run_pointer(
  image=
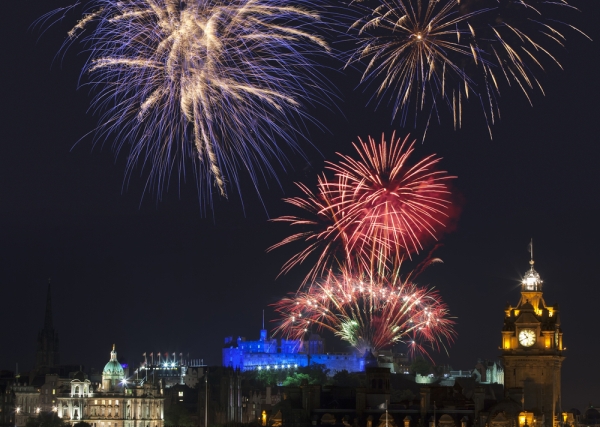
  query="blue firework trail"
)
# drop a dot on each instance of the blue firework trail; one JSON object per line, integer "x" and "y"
{"x": 218, "y": 83}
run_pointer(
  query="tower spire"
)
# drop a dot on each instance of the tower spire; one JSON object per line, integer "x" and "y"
{"x": 531, "y": 252}
{"x": 47, "y": 347}
{"x": 48, "y": 324}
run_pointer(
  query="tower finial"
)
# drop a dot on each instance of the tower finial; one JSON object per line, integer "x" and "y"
{"x": 263, "y": 318}
{"x": 531, "y": 251}
{"x": 113, "y": 347}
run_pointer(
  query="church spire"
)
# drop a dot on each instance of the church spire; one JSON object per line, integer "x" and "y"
{"x": 48, "y": 324}
{"x": 47, "y": 356}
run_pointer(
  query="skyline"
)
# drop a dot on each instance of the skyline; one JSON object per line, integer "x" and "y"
{"x": 146, "y": 274}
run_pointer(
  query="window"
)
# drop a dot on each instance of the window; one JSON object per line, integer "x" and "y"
{"x": 95, "y": 402}
{"x": 116, "y": 402}
{"x": 180, "y": 393}
{"x": 103, "y": 402}
{"x": 53, "y": 391}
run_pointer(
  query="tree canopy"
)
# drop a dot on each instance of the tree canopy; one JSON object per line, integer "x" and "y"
{"x": 47, "y": 419}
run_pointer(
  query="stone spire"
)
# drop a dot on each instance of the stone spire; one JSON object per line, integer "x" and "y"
{"x": 47, "y": 345}
{"x": 48, "y": 325}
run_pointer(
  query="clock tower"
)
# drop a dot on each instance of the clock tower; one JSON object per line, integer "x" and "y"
{"x": 532, "y": 347}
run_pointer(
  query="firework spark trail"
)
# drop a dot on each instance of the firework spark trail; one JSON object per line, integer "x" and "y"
{"x": 424, "y": 54}
{"x": 373, "y": 213}
{"x": 393, "y": 205}
{"x": 369, "y": 314}
{"x": 219, "y": 82}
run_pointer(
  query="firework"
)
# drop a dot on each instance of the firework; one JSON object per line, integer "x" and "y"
{"x": 217, "y": 82}
{"x": 374, "y": 212}
{"x": 429, "y": 54}
{"x": 369, "y": 314}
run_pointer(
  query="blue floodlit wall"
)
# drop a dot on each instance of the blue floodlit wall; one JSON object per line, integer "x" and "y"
{"x": 286, "y": 354}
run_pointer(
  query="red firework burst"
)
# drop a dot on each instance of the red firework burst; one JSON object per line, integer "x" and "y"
{"x": 374, "y": 211}
{"x": 369, "y": 314}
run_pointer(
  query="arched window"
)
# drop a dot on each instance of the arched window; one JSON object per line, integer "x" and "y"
{"x": 76, "y": 389}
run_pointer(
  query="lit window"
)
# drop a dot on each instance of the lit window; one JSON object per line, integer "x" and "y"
{"x": 53, "y": 391}
{"x": 103, "y": 402}
{"x": 116, "y": 402}
{"x": 95, "y": 402}
{"x": 180, "y": 393}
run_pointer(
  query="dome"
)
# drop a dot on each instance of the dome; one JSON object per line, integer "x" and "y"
{"x": 532, "y": 280}
{"x": 592, "y": 414}
{"x": 79, "y": 376}
{"x": 113, "y": 368}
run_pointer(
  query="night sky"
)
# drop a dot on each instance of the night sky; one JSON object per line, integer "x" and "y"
{"x": 154, "y": 275}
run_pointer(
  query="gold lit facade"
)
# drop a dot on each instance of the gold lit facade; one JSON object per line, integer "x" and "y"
{"x": 532, "y": 353}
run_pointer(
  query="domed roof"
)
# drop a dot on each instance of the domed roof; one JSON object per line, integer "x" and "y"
{"x": 79, "y": 376}
{"x": 532, "y": 280}
{"x": 591, "y": 414}
{"x": 113, "y": 367}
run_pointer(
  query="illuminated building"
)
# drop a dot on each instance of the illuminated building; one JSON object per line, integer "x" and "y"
{"x": 116, "y": 402}
{"x": 532, "y": 354}
{"x": 282, "y": 354}
{"x": 172, "y": 371}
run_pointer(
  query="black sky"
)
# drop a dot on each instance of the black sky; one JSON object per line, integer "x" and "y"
{"x": 157, "y": 276}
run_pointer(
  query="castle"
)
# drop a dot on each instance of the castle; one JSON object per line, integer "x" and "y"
{"x": 270, "y": 353}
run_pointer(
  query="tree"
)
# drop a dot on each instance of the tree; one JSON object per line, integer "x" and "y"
{"x": 296, "y": 379}
{"x": 177, "y": 415}
{"x": 420, "y": 366}
{"x": 345, "y": 379}
{"x": 312, "y": 374}
{"x": 46, "y": 419}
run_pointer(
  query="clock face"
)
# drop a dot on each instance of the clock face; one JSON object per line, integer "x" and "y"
{"x": 527, "y": 337}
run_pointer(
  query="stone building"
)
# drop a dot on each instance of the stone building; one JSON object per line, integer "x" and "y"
{"x": 532, "y": 354}
{"x": 47, "y": 354}
{"x": 270, "y": 353}
{"x": 116, "y": 402}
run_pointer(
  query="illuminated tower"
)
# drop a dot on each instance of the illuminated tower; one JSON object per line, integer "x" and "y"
{"x": 532, "y": 346}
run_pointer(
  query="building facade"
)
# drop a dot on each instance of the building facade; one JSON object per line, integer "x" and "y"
{"x": 266, "y": 353}
{"x": 532, "y": 353}
{"x": 116, "y": 402}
